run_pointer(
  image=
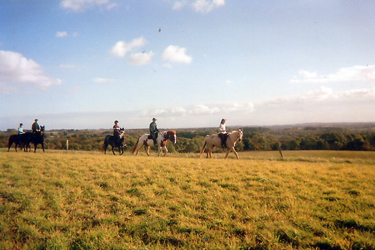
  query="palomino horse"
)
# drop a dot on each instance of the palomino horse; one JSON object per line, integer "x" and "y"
{"x": 214, "y": 140}
{"x": 161, "y": 141}
{"x": 111, "y": 140}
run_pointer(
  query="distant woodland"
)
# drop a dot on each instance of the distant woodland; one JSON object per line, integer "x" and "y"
{"x": 349, "y": 136}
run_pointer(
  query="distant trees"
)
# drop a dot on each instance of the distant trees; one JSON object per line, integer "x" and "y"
{"x": 191, "y": 141}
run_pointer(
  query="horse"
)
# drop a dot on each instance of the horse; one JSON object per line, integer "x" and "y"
{"x": 161, "y": 142}
{"x": 111, "y": 140}
{"x": 14, "y": 139}
{"x": 214, "y": 140}
{"x": 38, "y": 138}
{"x": 25, "y": 139}
{"x": 21, "y": 140}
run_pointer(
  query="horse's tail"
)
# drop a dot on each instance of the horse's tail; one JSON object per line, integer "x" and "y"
{"x": 105, "y": 145}
{"x": 10, "y": 142}
{"x": 135, "y": 146}
{"x": 204, "y": 146}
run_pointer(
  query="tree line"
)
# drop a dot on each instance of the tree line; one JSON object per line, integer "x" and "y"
{"x": 344, "y": 137}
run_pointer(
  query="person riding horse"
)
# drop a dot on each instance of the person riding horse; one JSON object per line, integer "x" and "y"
{"x": 20, "y": 129}
{"x": 35, "y": 127}
{"x": 154, "y": 130}
{"x": 116, "y": 132}
{"x": 223, "y": 133}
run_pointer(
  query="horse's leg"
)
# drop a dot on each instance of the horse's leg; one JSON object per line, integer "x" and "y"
{"x": 228, "y": 150}
{"x": 202, "y": 150}
{"x": 136, "y": 151}
{"x": 43, "y": 146}
{"x": 113, "y": 151}
{"x": 235, "y": 152}
{"x": 166, "y": 151}
{"x": 148, "y": 150}
{"x": 159, "y": 150}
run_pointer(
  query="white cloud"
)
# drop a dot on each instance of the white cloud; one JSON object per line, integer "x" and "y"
{"x": 179, "y": 5}
{"x": 176, "y": 54}
{"x": 103, "y": 80}
{"x": 201, "y": 6}
{"x": 82, "y": 5}
{"x": 205, "y": 6}
{"x": 321, "y": 105}
{"x": 355, "y": 73}
{"x": 121, "y": 48}
{"x": 16, "y": 70}
{"x": 343, "y": 106}
{"x": 61, "y": 34}
{"x": 201, "y": 109}
{"x": 140, "y": 59}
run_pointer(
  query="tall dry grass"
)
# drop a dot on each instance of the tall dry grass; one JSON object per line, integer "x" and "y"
{"x": 59, "y": 200}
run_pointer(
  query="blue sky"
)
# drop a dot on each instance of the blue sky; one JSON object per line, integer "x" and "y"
{"x": 82, "y": 64}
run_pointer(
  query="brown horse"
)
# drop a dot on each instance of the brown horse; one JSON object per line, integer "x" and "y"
{"x": 161, "y": 141}
{"x": 214, "y": 140}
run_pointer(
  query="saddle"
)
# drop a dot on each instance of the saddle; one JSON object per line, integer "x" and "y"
{"x": 150, "y": 137}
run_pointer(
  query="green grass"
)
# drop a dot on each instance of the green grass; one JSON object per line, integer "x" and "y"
{"x": 87, "y": 200}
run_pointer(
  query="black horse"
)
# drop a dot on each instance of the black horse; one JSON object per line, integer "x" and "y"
{"x": 38, "y": 138}
{"x": 115, "y": 143}
{"x": 14, "y": 139}
{"x": 22, "y": 141}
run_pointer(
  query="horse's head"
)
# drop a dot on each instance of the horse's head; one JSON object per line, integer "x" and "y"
{"x": 122, "y": 133}
{"x": 42, "y": 128}
{"x": 171, "y": 135}
{"x": 240, "y": 134}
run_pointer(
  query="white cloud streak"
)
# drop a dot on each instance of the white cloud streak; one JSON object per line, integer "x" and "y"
{"x": 61, "y": 34}
{"x": 355, "y": 73}
{"x": 82, "y": 5}
{"x": 103, "y": 80}
{"x": 200, "y": 6}
{"x": 17, "y": 71}
{"x": 140, "y": 59}
{"x": 176, "y": 54}
{"x": 321, "y": 105}
{"x": 121, "y": 48}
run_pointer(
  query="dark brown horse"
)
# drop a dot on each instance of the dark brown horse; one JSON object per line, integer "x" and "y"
{"x": 111, "y": 140}
{"x": 38, "y": 138}
{"x": 22, "y": 141}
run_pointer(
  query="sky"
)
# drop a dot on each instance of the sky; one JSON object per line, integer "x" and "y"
{"x": 81, "y": 64}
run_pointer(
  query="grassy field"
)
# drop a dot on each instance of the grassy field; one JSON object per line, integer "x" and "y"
{"x": 88, "y": 200}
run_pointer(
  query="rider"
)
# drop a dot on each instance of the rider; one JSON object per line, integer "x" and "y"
{"x": 35, "y": 127}
{"x": 20, "y": 129}
{"x": 154, "y": 130}
{"x": 223, "y": 133}
{"x": 116, "y": 132}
